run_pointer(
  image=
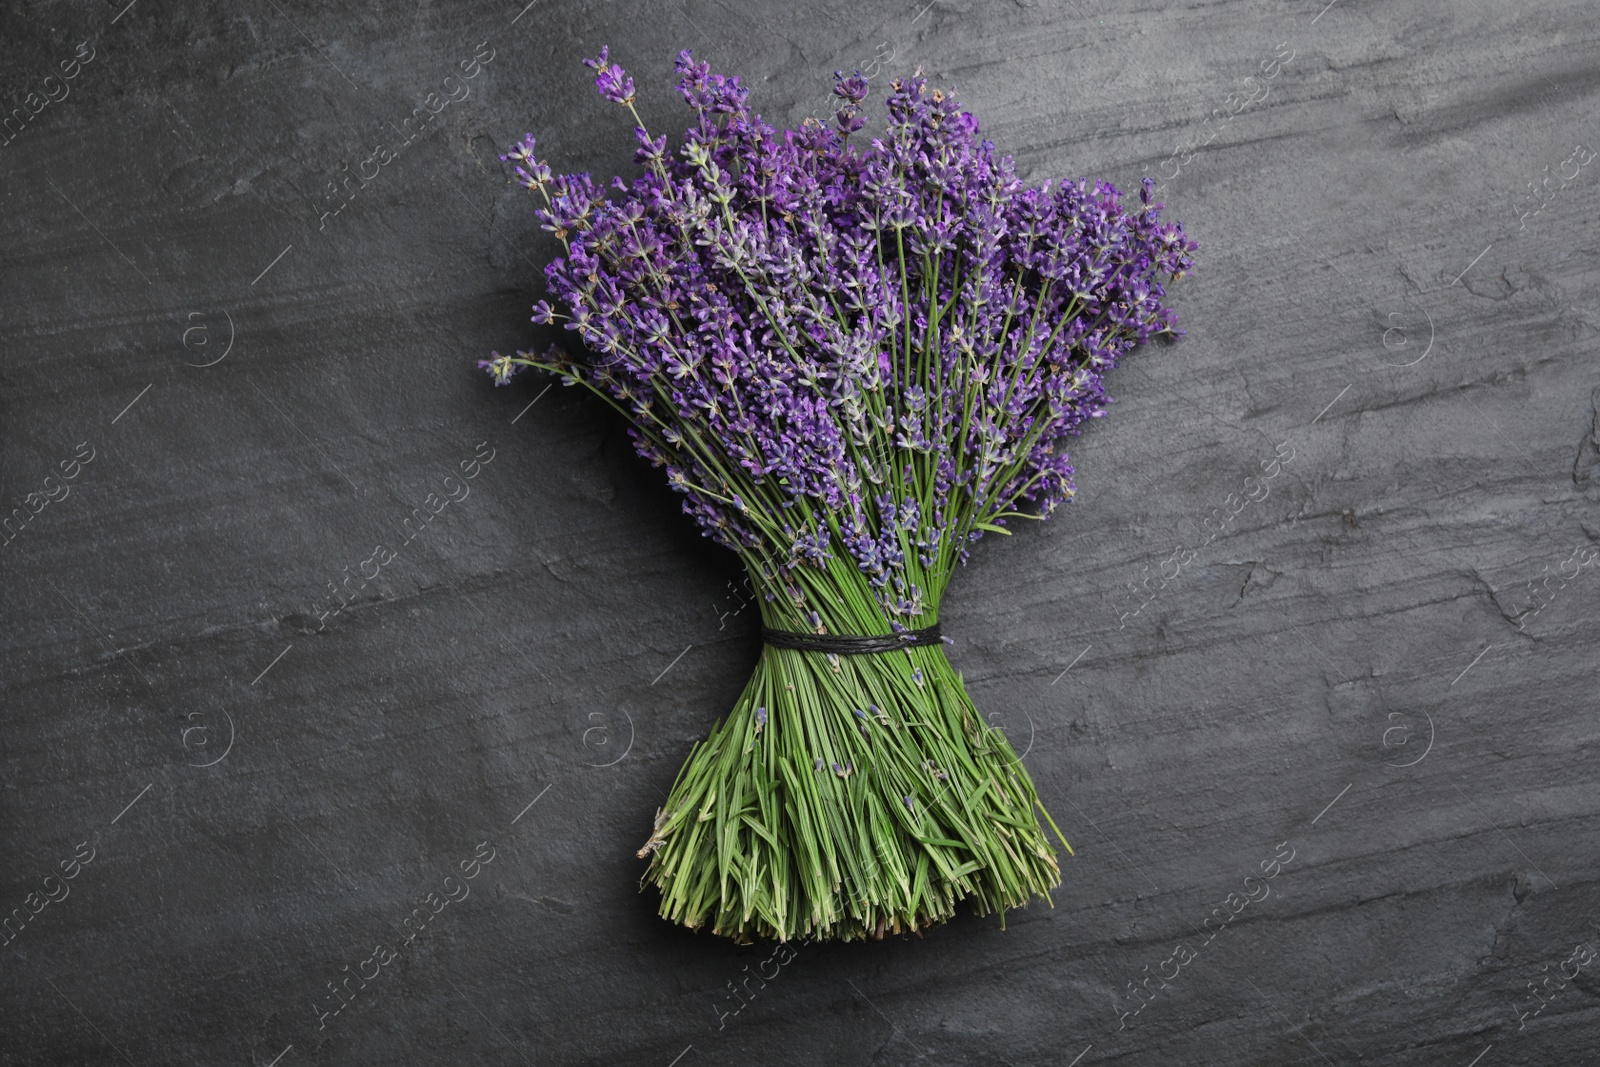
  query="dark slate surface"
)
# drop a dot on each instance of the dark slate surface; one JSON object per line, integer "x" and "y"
{"x": 1383, "y": 670}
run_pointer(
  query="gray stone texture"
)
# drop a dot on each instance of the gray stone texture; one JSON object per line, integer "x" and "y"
{"x": 1379, "y": 662}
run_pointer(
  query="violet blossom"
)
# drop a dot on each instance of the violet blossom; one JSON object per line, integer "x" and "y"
{"x": 868, "y": 352}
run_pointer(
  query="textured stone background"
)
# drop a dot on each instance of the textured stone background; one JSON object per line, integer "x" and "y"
{"x": 1385, "y": 669}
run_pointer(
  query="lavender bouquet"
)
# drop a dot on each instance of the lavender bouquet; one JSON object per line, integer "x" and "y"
{"x": 853, "y": 362}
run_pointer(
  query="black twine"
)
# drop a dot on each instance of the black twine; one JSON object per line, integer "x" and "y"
{"x": 851, "y": 644}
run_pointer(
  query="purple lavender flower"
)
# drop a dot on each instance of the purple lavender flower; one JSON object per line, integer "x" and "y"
{"x": 867, "y": 355}
{"x": 612, "y": 81}
{"x": 502, "y": 368}
{"x": 532, "y": 173}
{"x": 853, "y": 91}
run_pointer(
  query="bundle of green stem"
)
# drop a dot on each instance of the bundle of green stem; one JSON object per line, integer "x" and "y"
{"x": 853, "y": 364}
{"x": 848, "y": 796}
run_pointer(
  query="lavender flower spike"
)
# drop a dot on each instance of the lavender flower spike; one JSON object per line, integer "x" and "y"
{"x": 502, "y": 368}
{"x": 612, "y": 81}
